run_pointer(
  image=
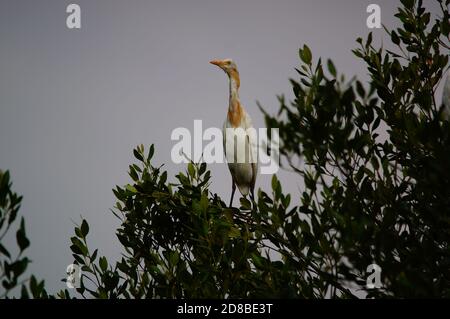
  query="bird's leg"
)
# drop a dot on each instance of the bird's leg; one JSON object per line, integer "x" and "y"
{"x": 233, "y": 189}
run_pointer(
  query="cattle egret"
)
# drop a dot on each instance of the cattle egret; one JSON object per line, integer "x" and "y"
{"x": 241, "y": 143}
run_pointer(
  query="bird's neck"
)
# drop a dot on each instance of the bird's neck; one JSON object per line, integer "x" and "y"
{"x": 234, "y": 108}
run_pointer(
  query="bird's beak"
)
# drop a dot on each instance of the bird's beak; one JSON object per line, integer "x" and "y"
{"x": 216, "y": 62}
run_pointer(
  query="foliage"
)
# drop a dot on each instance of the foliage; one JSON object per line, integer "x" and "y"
{"x": 13, "y": 267}
{"x": 376, "y": 162}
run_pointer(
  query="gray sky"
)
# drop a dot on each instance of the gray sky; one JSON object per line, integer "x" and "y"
{"x": 74, "y": 103}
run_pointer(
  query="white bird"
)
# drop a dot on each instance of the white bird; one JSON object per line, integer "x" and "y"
{"x": 240, "y": 147}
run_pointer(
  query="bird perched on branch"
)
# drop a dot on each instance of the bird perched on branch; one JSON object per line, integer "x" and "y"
{"x": 446, "y": 96}
{"x": 239, "y": 136}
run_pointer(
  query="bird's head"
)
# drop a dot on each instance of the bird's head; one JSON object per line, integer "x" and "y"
{"x": 229, "y": 67}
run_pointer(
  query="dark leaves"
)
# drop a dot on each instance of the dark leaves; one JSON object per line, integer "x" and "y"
{"x": 84, "y": 228}
{"x": 305, "y": 54}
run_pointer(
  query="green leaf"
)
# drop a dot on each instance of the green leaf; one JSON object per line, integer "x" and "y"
{"x": 76, "y": 250}
{"x": 82, "y": 249}
{"x": 245, "y": 203}
{"x": 34, "y": 286}
{"x": 24, "y": 293}
{"x": 204, "y": 202}
{"x": 163, "y": 177}
{"x": 131, "y": 188}
{"x": 408, "y": 3}
{"x": 138, "y": 155}
{"x": 78, "y": 232}
{"x": 202, "y": 169}
{"x": 151, "y": 151}
{"x": 234, "y": 232}
{"x": 134, "y": 176}
{"x": 94, "y": 255}
{"x": 369, "y": 40}
{"x": 376, "y": 123}
{"x": 4, "y": 251}
{"x": 360, "y": 89}
{"x": 174, "y": 258}
{"x": 394, "y": 38}
{"x": 257, "y": 261}
{"x": 274, "y": 182}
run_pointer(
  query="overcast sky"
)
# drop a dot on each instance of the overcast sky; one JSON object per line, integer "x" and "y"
{"x": 74, "y": 103}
